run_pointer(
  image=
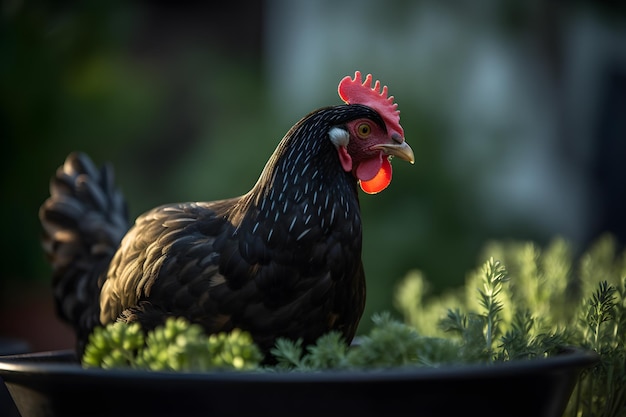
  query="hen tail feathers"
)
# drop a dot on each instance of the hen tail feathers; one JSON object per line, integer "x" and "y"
{"x": 83, "y": 220}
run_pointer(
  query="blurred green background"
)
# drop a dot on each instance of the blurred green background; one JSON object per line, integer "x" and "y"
{"x": 515, "y": 110}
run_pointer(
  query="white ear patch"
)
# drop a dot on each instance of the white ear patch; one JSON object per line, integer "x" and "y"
{"x": 339, "y": 137}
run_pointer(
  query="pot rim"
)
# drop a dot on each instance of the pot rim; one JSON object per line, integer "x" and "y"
{"x": 63, "y": 363}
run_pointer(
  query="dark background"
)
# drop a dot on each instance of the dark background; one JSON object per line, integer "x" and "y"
{"x": 515, "y": 110}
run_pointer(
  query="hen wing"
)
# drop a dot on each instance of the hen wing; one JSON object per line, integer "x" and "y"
{"x": 167, "y": 263}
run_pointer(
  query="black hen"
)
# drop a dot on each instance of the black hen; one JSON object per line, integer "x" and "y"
{"x": 283, "y": 260}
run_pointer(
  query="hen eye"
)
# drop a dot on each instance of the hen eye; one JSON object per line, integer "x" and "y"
{"x": 363, "y": 130}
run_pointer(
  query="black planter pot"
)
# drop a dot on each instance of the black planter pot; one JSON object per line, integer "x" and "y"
{"x": 10, "y": 346}
{"x": 54, "y": 384}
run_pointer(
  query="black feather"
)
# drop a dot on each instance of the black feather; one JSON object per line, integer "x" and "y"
{"x": 283, "y": 260}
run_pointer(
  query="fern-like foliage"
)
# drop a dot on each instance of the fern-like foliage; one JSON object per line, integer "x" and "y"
{"x": 526, "y": 302}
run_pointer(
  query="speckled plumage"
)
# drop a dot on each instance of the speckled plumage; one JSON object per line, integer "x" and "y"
{"x": 283, "y": 260}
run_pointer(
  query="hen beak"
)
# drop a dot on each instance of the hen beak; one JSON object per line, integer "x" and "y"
{"x": 401, "y": 149}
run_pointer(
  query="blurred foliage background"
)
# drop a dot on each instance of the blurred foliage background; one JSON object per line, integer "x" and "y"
{"x": 515, "y": 110}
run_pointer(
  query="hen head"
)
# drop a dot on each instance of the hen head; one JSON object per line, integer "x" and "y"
{"x": 365, "y": 147}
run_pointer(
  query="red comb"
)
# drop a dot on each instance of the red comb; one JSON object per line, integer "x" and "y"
{"x": 354, "y": 92}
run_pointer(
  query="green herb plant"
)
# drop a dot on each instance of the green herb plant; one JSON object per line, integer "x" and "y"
{"x": 390, "y": 343}
{"x": 524, "y": 302}
{"x": 176, "y": 346}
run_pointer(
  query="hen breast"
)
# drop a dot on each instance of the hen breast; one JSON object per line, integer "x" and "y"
{"x": 225, "y": 267}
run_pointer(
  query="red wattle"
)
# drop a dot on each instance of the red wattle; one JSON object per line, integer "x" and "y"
{"x": 369, "y": 168}
{"x": 380, "y": 181}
